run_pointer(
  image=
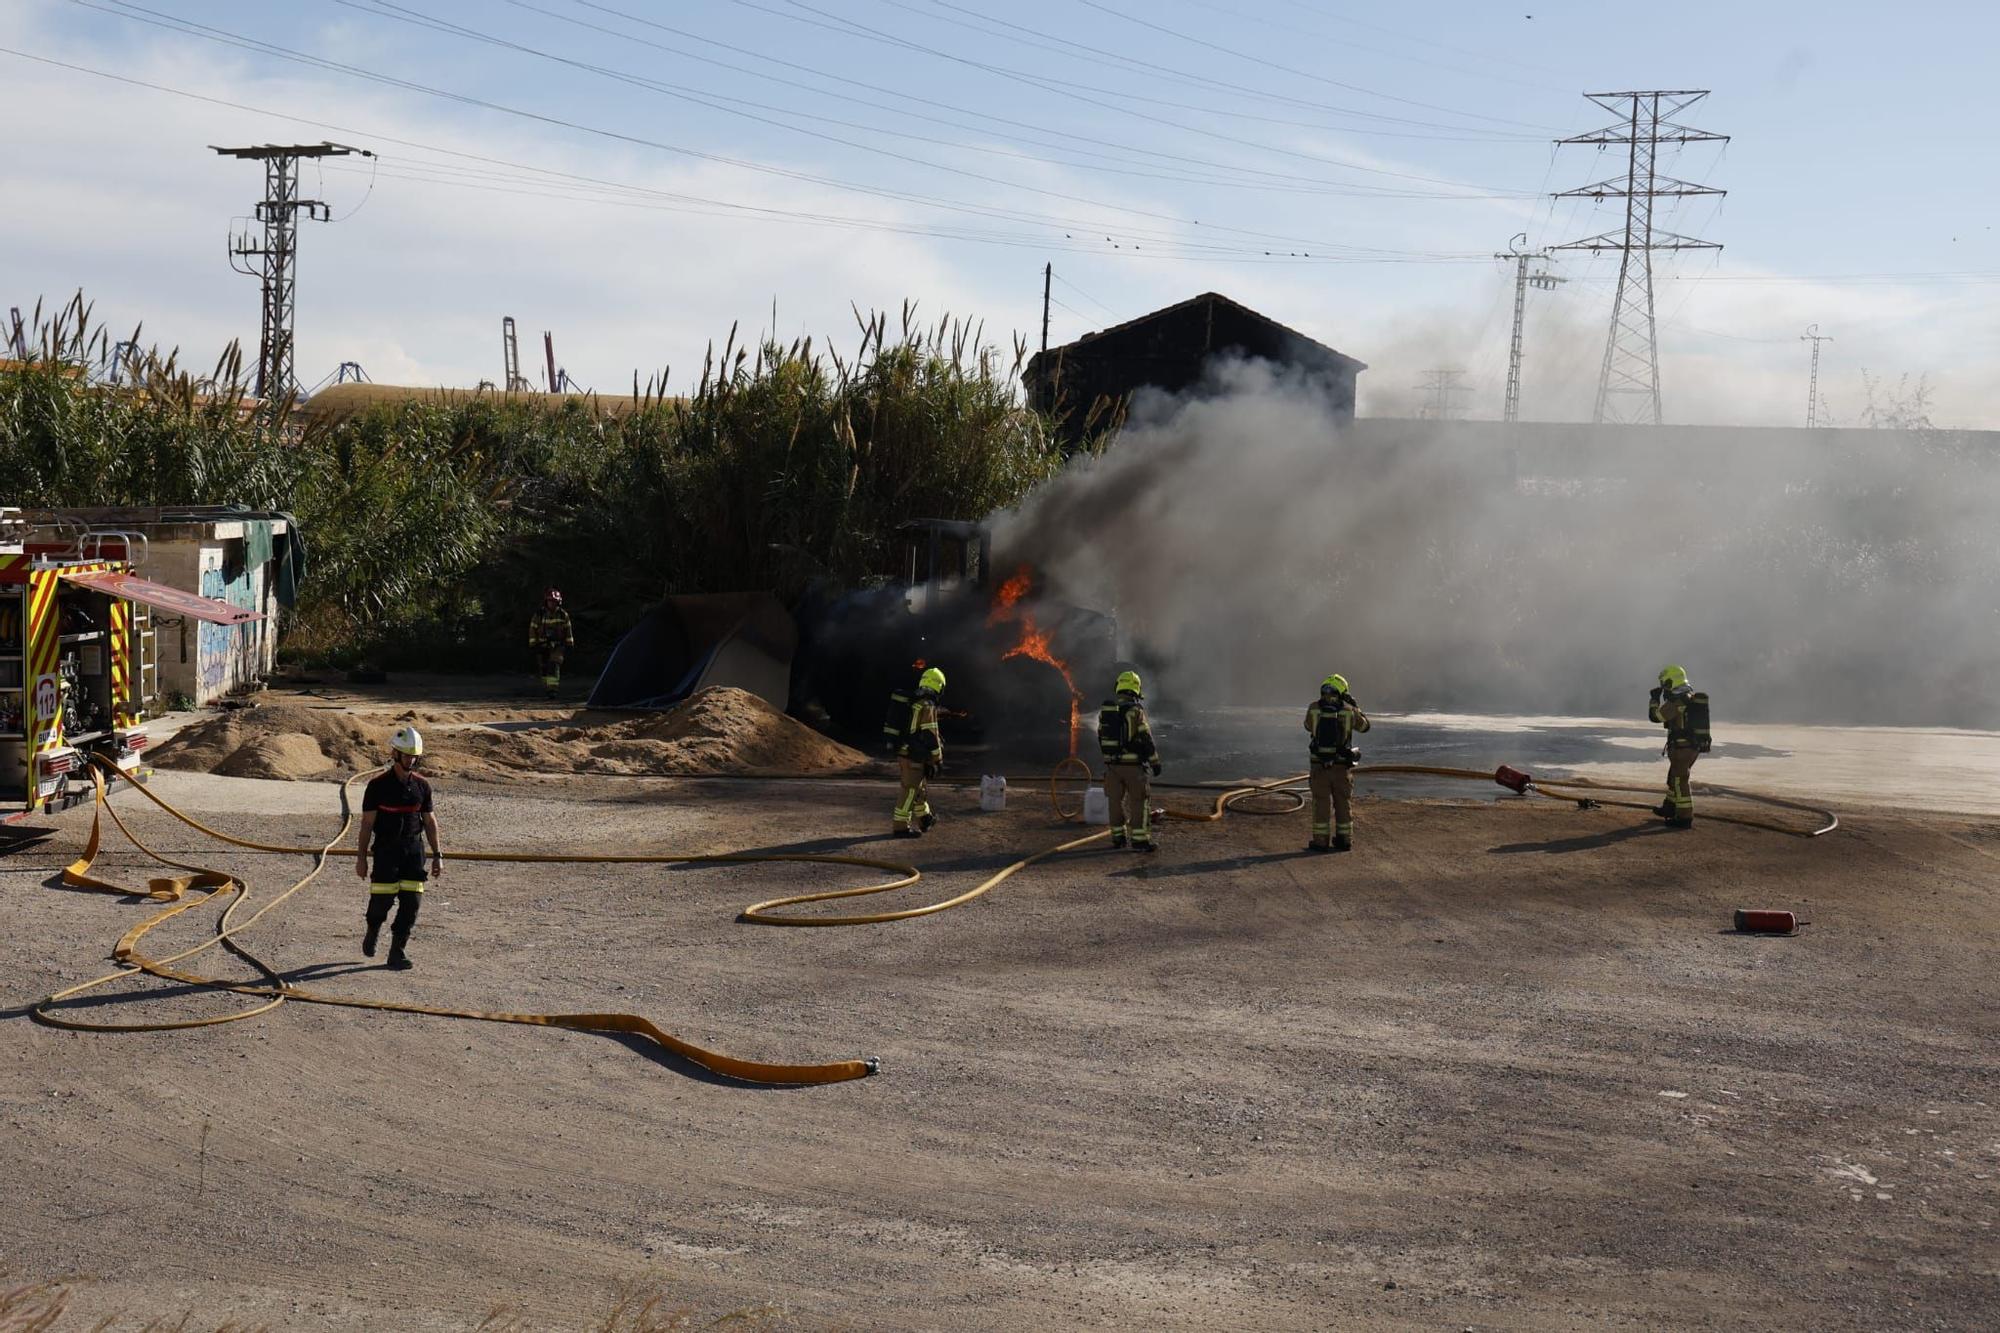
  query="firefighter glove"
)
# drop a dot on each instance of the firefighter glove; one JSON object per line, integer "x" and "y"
{"x": 1154, "y": 768}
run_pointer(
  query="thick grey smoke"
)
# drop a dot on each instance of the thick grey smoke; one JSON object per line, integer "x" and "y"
{"x": 1249, "y": 546}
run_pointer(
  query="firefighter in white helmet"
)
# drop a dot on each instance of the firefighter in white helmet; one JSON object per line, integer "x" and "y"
{"x": 396, "y": 815}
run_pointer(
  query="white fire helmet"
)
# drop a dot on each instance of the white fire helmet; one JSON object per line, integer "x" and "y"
{"x": 407, "y": 740}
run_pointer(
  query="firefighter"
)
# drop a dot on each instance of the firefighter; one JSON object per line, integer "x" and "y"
{"x": 1683, "y": 711}
{"x": 919, "y": 756}
{"x": 1126, "y": 740}
{"x": 549, "y": 637}
{"x": 396, "y": 814}
{"x": 1331, "y": 722}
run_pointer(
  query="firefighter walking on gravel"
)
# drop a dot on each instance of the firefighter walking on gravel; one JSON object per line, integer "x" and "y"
{"x": 1683, "y": 711}
{"x": 396, "y": 818}
{"x": 1126, "y": 740}
{"x": 1331, "y": 722}
{"x": 549, "y": 637}
{"x": 913, "y": 726}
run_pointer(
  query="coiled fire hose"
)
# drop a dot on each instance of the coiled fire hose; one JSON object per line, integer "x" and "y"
{"x": 276, "y": 990}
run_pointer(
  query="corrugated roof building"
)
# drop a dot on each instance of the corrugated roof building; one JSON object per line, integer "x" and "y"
{"x": 1171, "y": 350}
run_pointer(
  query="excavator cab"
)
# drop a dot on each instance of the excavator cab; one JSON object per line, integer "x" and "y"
{"x": 941, "y": 556}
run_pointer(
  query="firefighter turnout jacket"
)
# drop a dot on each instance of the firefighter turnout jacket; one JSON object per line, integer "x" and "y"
{"x": 1332, "y": 724}
{"x": 1123, "y": 734}
{"x": 550, "y": 628}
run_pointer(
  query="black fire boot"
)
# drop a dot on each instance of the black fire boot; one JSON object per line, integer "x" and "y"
{"x": 398, "y": 960}
{"x": 368, "y": 938}
{"x": 1148, "y": 846}
{"x": 926, "y": 822}
{"x": 1665, "y": 809}
{"x": 1118, "y": 840}
{"x": 1343, "y": 844}
{"x": 1318, "y": 847}
{"x": 906, "y": 833}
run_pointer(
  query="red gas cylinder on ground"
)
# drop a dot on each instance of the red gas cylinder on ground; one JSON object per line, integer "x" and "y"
{"x": 1752, "y": 921}
{"x": 1512, "y": 778}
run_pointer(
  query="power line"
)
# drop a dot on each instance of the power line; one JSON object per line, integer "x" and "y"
{"x": 1304, "y": 74}
{"x": 591, "y": 189}
{"x": 1287, "y": 182}
{"x": 1087, "y": 296}
{"x": 1043, "y": 41}
{"x": 1213, "y": 7}
{"x": 126, "y": 9}
{"x": 1631, "y": 367}
{"x": 848, "y": 27}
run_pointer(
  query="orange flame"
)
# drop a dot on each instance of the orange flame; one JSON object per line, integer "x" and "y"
{"x": 1034, "y": 642}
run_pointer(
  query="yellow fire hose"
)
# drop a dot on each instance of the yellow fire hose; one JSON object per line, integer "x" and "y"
{"x": 276, "y": 990}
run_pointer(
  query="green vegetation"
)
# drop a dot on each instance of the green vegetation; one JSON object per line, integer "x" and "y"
{"x": 432, "y": 527}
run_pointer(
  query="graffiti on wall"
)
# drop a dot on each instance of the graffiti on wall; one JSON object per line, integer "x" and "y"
{"x": 214, "y": 642}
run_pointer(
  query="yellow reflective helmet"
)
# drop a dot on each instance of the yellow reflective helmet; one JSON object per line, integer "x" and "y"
{"x": 1673, "y": 677}
{"x": 1336, "y": 682}
{"x": 932, "y": 680}
{"x": 1128, "y": 683}
{"x": 407, "y": 740}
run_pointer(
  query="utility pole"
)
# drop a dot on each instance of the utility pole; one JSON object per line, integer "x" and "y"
{"x": 1442, "y": 388}
{"x": 279, "y": 212}
{"x": 1543, "y": 281}
{"x": 1631, "y": 368}
{"x": 1048, "y": 272}
{"x": 1815, "y": 337}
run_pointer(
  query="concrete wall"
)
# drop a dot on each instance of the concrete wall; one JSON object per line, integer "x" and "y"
{"x": 206, "y": 661}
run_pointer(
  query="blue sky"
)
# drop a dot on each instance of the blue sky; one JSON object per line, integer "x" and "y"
{"x": 727, "y": 155}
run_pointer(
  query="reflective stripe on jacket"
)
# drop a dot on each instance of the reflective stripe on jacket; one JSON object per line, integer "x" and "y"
{"x": 925, "y": 741}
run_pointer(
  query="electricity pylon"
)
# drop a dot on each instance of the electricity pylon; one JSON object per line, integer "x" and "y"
{"x": 1542, "y": 281}
{"x": 1632, "y": 350}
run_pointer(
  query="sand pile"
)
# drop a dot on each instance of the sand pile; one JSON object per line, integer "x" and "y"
{"x": 720, "y": 730}
{"x": 277, "y": 741}
{"x": 717, "y": 731}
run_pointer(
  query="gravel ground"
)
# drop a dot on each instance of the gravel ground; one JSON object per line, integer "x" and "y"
{"x": 1504, "y": 1066}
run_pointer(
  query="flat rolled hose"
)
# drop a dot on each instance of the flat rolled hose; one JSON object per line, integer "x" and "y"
{"x": 275, "y": 990}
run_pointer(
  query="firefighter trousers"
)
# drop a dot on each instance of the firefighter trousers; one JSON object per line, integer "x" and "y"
{"x": 1680, "y": 796}
{"x": 1333, "y": 803}
{"x": 407, "y": 902}
{"x": 1127, "y": 791}
{"x": 548, "y": 664}
{"x": 912, "y": 807}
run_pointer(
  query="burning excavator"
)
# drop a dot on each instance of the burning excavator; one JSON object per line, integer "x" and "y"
{"x": 1019, "y": 660}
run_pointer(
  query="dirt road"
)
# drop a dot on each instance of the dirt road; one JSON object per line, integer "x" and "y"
{"x": 1501, "y": 1067}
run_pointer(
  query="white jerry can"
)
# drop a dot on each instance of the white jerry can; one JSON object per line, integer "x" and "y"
{"x": 1096, "y": 810}
{"x": 992, "y": 792}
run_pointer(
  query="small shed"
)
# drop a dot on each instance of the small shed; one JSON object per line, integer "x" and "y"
{"x": 1170, "y": 350}
{"x": 250, "y": 559}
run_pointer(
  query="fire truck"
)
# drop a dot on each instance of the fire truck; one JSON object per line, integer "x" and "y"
{"x": 75, "y": 629}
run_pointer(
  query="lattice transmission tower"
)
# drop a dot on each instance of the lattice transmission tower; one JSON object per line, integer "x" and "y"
{"x": 1628, "y": 386}
{"x": 275, "y": 260}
